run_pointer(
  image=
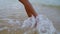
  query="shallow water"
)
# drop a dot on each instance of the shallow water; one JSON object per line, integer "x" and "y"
{"x": 13, "y": 10}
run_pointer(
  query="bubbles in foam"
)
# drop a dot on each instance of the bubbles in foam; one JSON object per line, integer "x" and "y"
{"x": 44, "y": 25}
{"x": 12, "y": 21}
{"x": 30, "y": 22}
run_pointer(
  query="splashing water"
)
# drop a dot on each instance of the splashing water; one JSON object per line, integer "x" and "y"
{"x": 44, "y": 26}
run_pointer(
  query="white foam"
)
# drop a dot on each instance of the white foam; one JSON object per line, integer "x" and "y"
{"x": 30, "y": 22}
{"x": 44, "y": 25}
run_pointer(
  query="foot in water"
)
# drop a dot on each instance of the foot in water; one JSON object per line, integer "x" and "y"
{"x": 42, "y": 24}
